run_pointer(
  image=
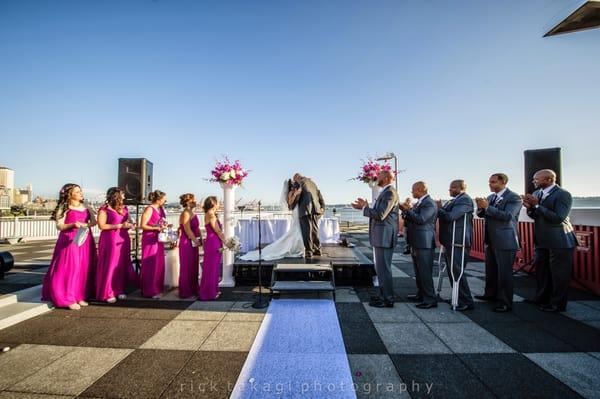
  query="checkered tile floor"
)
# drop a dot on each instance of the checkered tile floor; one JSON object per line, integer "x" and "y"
{"x": 171, "y": 348}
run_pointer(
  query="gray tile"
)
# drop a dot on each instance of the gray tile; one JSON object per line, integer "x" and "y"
{"x": 592, "y": 304}
{"x": 74, "y": 372}
{"x": 442, "y": 314}
{"x": 582, "y": 312}
{"x": 400, "y": 313}
{"x": 375, "y": 376}
{"x": 233, "y": 336}
{"x": 23, "y": 395}
{"x": 468, "y": 338}
{"x": 410, "y": 338}
{"x": 244, "y": 306}
{"x": 200, "y": 310}
{"x": 24, "y": 360}
{"x": 579, "y": 371}
{"x": 595, "y": 354}
{"x": 181, "y": 335}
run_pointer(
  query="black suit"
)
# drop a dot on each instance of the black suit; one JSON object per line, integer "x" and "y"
{"x": 456, "y": 214}
{"x": 502, "y": 242}
{"x": 420, "y": 235}
{"x": 311, "y": 206}
{"x": 555, "y": 242}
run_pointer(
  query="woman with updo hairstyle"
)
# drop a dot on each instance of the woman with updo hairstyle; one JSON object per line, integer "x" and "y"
{"x": 69, "y": 279}
{"x": 152, "y": 273}
{"x": 209, "y": 283}
{"x": 115, "y": 269}
{"x": 190, "y": 240}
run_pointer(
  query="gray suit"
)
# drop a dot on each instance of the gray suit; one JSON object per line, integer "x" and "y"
{"x": 502, "y": 242}
{"x": 554, "y": 245}
{"x": 420, "y": 235}
{"x": 383, "y": 236}
{"x": 457, "y": 210}
{"x": 311, "y": 206}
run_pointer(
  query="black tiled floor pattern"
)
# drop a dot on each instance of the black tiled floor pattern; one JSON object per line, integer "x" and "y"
{"x": 152, "y": 373}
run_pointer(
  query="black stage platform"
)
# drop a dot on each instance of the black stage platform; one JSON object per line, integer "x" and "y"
{"x": 351, "y": 267}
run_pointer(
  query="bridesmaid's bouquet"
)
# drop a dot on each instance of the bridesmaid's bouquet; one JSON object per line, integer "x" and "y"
{"x": 233, "y": 244}
{"x": 229, "y": 173}
{"x": 370, "y": 170}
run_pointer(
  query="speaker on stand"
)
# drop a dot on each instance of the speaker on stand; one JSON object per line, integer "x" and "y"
{"x": 135, "y": 178}
{"x": 545, "y": 158}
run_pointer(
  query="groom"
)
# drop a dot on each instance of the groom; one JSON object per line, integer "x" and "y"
{"x": 310, "y": 208}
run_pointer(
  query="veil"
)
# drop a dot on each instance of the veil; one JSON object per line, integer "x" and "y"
{"x": 283, "y": 199}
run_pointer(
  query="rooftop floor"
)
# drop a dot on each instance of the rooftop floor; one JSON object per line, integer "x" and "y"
{"x": 170, "y": 348}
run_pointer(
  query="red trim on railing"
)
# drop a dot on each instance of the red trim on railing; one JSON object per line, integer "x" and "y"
{"x": 586, "y": 259}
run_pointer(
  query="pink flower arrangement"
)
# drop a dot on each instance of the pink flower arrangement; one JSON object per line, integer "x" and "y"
{"x": 226, "y": 172}
{"x": 370, "y": 170}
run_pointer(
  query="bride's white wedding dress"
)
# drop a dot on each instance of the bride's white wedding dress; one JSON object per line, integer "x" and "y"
{"x": 290, "y": 245}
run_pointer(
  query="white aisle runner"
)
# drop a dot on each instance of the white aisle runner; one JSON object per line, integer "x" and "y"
{"x": 298, "y": 352}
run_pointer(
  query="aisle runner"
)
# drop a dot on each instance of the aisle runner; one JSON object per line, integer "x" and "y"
{"x": 298, "y": 352}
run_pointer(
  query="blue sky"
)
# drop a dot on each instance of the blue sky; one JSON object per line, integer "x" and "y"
{"x": 458, "y": 89}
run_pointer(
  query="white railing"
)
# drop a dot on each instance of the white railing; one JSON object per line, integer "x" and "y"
{"x": 41, "y": 227}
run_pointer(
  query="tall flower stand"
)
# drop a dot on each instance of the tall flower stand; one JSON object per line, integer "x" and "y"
{"x": 228, "y": 230}
{"x": 375, "y": 189}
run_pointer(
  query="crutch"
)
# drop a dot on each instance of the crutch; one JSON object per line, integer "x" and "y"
{"x": 441, "y": 271}
{"x": 456, "y": 282}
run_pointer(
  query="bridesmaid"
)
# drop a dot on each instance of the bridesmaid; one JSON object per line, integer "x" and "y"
{"x": 153, "y": 252}
{"x": 189, "y": 242}
{"x": 115, "y": 269}
{"x": 209, "y": 283}
{"x": 68, "y": 281}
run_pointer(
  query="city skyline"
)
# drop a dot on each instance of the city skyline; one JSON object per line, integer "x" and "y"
{"x": 455, "y": 90}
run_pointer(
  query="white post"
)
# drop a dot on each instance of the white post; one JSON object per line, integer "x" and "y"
{"x": 374, "y": 192}
{"x": 17, "y": 231}
{"x": 228, "y": 229}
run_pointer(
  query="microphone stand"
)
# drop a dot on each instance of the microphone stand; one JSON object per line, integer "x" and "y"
{"x": 259, "y": 304}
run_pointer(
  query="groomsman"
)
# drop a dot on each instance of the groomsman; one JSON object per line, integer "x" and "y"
{"x": 501, "y": 213}
{"x": 420, "y": 235}
{"x": 549, "y": 207}
{"x": 383, "y": 235}
{"x": 452, "y": 216}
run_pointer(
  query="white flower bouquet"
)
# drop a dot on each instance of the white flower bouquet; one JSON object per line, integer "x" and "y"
{"x": 233, "y": 244}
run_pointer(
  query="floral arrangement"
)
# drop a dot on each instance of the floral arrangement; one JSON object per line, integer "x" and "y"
{"x": 370, "y": 170}
{"x": 233, "y": 244}
{"x": 230, "y": 173}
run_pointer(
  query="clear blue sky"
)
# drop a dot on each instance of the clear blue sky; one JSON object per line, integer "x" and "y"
{"x": 458, "y": 89}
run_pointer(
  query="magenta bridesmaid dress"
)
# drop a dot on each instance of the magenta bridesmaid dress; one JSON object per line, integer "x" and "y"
{"x": 153, "y": 258}
{"x": 209, "y": 283}
{"x": 115, "y": 269}
{"x": 189, "y": 261}
{"x": 69, "y": 278}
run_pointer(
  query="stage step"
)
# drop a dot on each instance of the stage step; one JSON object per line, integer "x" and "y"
{"x": 21, "y": 305}
{"x": 306, "y": 283}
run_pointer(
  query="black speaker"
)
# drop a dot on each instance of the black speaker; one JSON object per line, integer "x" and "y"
{"x": 135, "y": 178}
{"x": 545, "y": 158}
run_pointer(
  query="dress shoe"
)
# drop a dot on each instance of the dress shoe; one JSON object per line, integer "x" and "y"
{"x": 381, "y": 304}
{"x": 414, "y": 298}
{"x": 502, "y": 308}
{"x": 462, "y": 308}
{"x": 425, "y": 305}
{"x": 485, "y": 298}
{"x": 549, "y": 308}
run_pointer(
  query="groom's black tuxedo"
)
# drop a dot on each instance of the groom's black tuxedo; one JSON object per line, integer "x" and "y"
{"x": 311, "y": 206}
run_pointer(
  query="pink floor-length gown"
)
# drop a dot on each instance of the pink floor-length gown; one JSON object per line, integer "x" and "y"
{"x": 115, "y": 269}
{"x": 189, "y": 261}
{"x": 153, "y": 258}
{"x": 69, "y": 278}
{"x": 209, "y": 283}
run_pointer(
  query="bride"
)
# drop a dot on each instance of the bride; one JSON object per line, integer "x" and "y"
{"x": 290, "y": 245}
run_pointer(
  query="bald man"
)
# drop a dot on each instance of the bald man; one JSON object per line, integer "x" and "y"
{"x": 420, "y": 235}
{"x": 383, "y": 235}
{"x": 549, "y": 206}
{"x": 455, "y": 215}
